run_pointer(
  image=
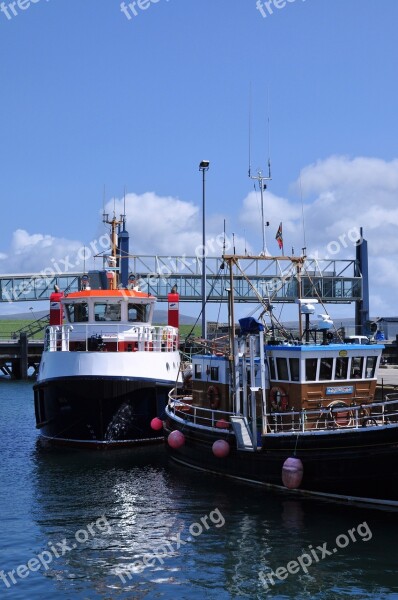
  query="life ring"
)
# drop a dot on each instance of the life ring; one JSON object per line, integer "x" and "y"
{"x": 213, "y": 397}
{"x": 340, "y": 418}
{"x": 279, "y": 398}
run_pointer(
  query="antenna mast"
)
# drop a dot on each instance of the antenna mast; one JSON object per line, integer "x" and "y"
{"x": 260, "y": 178}
{"x": 112, "y": 258}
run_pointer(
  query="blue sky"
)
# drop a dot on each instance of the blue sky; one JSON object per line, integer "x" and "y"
{"x": 91, "y": 98}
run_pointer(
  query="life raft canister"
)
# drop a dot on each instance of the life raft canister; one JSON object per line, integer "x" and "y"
{"x": 213, "y": 396}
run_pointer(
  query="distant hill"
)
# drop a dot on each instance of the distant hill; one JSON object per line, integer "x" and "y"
{"x": 25, "y": 316}
{"x": 160, "y": 317}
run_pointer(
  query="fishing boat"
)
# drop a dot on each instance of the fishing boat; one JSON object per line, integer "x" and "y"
{"x": 106, "y": 370}
{"x": 300, "y": 414}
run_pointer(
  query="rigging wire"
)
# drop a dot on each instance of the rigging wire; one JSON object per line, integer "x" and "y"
{"x": 207, "y": 299}
{"x": 302, "y": 213}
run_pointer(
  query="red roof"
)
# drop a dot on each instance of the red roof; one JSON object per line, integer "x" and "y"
{"x": 109, "y": 294}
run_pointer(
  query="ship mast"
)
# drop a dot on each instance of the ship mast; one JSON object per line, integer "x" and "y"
{"x": 263, "y": 186}
{"x": 112, "y": 258}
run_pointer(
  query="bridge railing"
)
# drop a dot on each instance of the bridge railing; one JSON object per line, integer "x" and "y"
{"x": 335, "y": 281}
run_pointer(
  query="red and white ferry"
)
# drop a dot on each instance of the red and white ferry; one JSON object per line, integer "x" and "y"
{"x": 106, "y": 370}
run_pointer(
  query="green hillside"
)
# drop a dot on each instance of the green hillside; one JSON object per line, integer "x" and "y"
{"x": 8, "y": 327}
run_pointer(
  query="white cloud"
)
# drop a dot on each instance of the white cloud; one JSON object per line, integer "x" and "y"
{"x": 32, "y": 253}
{"x": 359, "y": 175}
{"x": 158, "y": 225}
{"x": 276, "y": 209}
{"x": 166, "y": 226}
{"x": 360, "y": 192}
{"x": 341, "y": 195}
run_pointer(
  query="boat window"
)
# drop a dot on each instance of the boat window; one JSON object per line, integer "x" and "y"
{"x": 341, "y": 368}
{"x": 77, "y": 312}
{"x": 107, "y": 312}
{"x": 310, "y": 368}
{"x": 370, "y": 366}
{"x": 356, "y": 367}
{"x": 283, "y": 373}
{"x": 198, "y": 371}
{"x": 137, "y": 312}
{"x": 294, "y": 369}
{"x": 272, "y": 368}
{"x": 325, "y": 370}
{"x": 214, "y": 373}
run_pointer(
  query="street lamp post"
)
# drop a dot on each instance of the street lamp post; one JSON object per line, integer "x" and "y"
{"x": 204, "y": 166}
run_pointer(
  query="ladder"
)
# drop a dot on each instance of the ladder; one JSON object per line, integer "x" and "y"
{"x": 243, "y": 436}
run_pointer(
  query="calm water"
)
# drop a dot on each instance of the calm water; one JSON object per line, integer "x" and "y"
{"x": 72, "y": 523}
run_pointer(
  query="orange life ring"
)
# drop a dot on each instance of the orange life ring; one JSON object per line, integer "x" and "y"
{"x": 279, "y": 397}
{"x": 213, "y": 397}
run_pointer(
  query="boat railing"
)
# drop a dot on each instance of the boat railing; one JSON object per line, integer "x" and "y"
{"x": 181, "y": 406}
{"x": 114, "y": 337}
{"x": 353, "y": 416}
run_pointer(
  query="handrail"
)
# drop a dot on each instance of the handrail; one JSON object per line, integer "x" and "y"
{"x": 156, "y": 338}
{"x": 302, "y": 421}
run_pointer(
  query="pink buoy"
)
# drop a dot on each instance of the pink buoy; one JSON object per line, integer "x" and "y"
{"x": 156, "y": 424}
{"x": 292, "y": 473}
{"x": 176, "y": 439}
{"x": 222, "y": 424}
{"x": 221, "y": 448}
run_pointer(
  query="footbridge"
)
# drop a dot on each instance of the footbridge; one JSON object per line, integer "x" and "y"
{"x": 274, "y": 278}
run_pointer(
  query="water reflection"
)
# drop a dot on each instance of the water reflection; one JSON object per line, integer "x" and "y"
{"x": 151, "y": 504}
{"x": 74, "y": 489}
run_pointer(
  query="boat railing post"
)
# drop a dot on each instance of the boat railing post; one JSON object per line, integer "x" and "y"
{"x": 139, "y": 338}
{"x": 53, "y": 339}
{"x": 155, "y": 339}
{"x": 64, "y": 339}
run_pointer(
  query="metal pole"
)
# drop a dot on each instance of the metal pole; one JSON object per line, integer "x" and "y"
{"x": 265, "y": 251}
{"x": 204, "y": 255}
{"x": 204, "y": 166}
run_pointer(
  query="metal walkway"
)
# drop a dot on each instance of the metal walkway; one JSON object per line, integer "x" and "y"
{"x": 332, "y": 281}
